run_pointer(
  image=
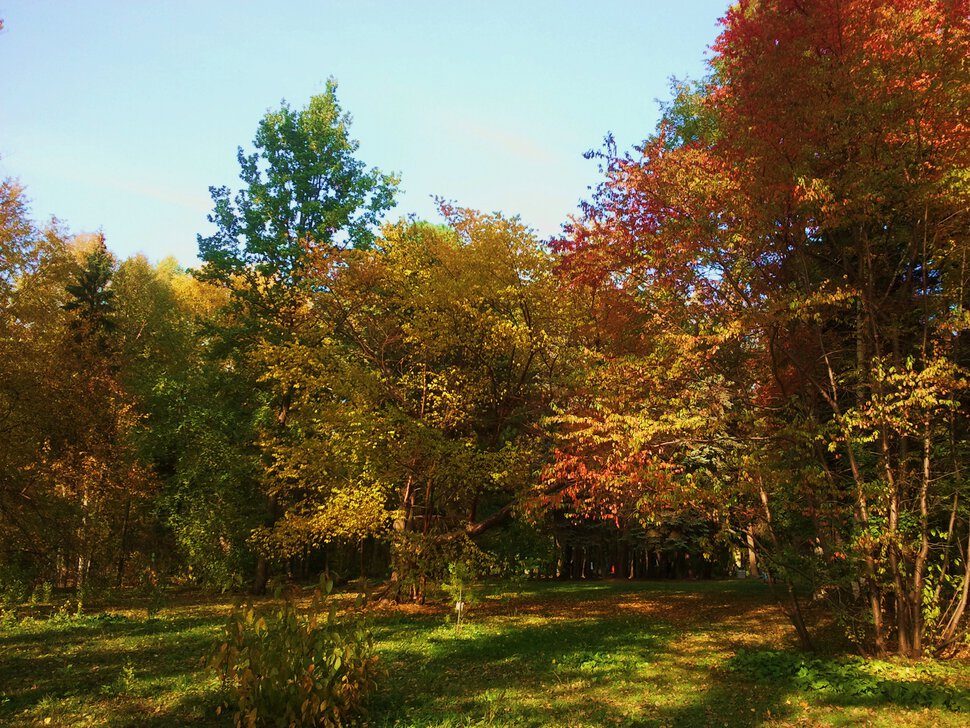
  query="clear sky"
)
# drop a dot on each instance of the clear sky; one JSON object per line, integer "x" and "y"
{"x": 118, "y": 115}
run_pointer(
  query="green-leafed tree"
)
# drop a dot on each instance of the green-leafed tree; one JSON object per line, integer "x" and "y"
{"x": 304, "y": 191}
{"x": 190, "y": 431}
{"x": 91, "y": 297}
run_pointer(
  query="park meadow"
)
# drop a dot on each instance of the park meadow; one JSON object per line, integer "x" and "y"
{"x": 597, "y": 653}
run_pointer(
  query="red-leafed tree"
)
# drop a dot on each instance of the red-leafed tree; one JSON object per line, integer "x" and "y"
{"x": 792, "y": 245}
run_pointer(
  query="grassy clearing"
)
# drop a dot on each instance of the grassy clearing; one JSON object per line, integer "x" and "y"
{"x": 584, "y": 654}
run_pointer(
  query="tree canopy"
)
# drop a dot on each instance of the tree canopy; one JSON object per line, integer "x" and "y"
{"x": 748, "y": 349}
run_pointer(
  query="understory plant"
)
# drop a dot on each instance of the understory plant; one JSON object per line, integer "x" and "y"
{"x": 461, "y": 589}
{"x": 291, "y": 667}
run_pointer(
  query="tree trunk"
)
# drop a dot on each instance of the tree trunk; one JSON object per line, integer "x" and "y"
{"x": 123, "y": 546}
{"x": 261, "y": 575}
{"x": 793, "y": 610}
{"x": 752, "y": 553}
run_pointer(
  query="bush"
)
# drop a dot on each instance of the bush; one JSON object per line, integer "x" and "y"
{"x": 461, "y": 588}
{"x": 14, "y": 586}
{"x": 42, "y": 594}
{"x": 288, "y": 668}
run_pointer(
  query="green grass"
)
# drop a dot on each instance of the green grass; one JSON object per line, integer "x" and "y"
{"x": 578, "y": 654}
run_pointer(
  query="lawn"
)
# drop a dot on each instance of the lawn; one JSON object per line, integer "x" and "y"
{"x": 574, "y": 654}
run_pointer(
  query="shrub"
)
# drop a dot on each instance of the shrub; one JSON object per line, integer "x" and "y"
{"x": 42, "y": 593}
{"x": 461, "y": 588}
{"x": 288, "y": 668}
{"x": 14, "y": 589}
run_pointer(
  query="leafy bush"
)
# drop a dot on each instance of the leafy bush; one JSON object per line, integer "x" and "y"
{"x": 14, "y": 586}
{"x": 75, "y": 617}
{"x": 289, "y": 668}
{"x": 461, "y": 589}
{"x": 42, "y": 593}
{"x": 519, "y": 548}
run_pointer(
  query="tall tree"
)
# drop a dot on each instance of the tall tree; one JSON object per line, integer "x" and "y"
{"x": 35, "y": 267}
{"x": 91, "y": 297}
{"x": 302, "y": 187}
{"x": 96, "y": 463}
{"x": 867, "y": 200}
{"x": 808, "y": 208}
{"x": 304, "y": 190}
{"x": 423, "y": 370}
{"x": 191, "y": 430}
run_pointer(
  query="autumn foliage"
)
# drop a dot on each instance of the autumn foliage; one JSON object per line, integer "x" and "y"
{"x": 794, "y": 236}
{"x": 751, "y": 343}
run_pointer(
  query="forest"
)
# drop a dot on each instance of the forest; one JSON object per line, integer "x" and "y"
{"x": 747, "y": 353}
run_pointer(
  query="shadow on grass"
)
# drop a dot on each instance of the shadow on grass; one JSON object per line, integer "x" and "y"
{"x": 615, "y": 666}
{"x": 729, "y": 588}
{"x": 598, "y": 653}
{"x": 89, "y": 626}
{"x": 194, "y": 709}
{"x": 588, "y": 653}
{"x": 740, "y": 697}
{"x": 86, "y": 660}
{"x": 523, "y": 675}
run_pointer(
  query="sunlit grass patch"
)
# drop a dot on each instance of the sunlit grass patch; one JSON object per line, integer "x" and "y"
{"x": 537, "y": 654}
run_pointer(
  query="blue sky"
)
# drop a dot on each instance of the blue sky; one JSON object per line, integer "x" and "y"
{"x": 119, "y": 115}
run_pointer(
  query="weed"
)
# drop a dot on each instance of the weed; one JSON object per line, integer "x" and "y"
{"x": 289, "y": 668}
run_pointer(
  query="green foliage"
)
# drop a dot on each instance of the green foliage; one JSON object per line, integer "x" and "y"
{"x": 463, "y": 589}
{"x": 14, "y": 586}
{"x": 305, "y": 196}
{"x": 303, "y": 188}
{"x": 91, "y": 296}
{"x": 203, "y": 444}
{"x": 687, "y": 118}
{"x": 855, "y": 677}
{"x": 196, "y": 431}
{"x": 124, "y": 683}
{"x": 518, "y": 549}
{"x": 289, "y": 668}
{"x": 42, "y": 593}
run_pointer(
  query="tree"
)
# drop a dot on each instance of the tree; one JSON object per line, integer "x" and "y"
{"x": 69, "y": 476}
{"x": 198, "y": 442}
{"x": 805, "y": 212}
{"x": 35, "y": 266}
{"x": 95, "y": 463}
{"x": 869, "y": 186}
{"x": 422, "y": 370}
{"x": 92, "y": 299}
{"x": 304, "y": 191}
{"x": 303, "y": 187}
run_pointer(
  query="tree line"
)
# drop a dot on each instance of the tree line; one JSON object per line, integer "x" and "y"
{"x": 750, "y": 342}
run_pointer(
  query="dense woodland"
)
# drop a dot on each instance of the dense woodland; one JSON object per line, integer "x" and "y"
{"x": 749, "y": 349}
